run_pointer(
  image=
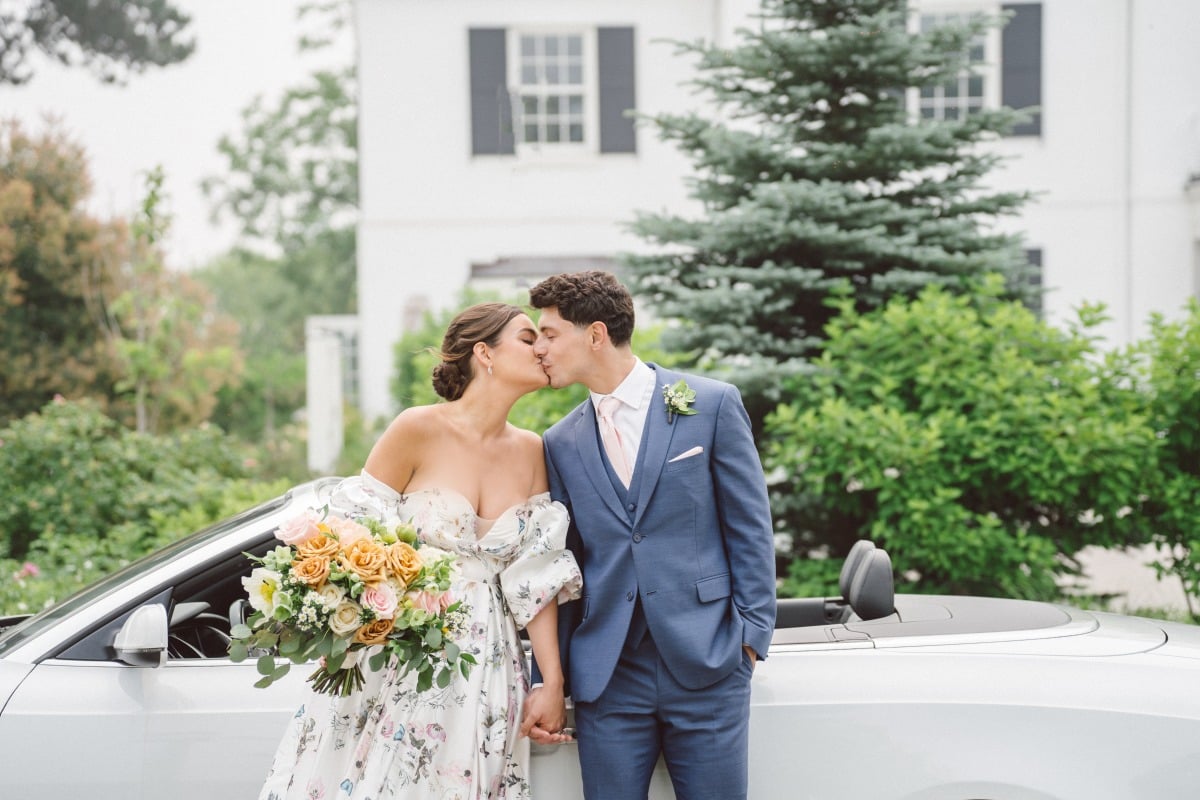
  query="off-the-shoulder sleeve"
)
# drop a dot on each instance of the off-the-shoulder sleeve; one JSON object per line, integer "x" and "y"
{"x": 366, "y": 495}
{"x": 542, "y": 570}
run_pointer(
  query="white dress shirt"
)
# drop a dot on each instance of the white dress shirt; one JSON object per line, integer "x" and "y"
{"x": 635, "y": 393}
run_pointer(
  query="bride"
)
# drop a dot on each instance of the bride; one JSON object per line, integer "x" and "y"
{"x": 470, "y": 483}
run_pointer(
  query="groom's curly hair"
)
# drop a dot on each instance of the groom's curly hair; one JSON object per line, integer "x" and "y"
{"x": 586, "y": 297}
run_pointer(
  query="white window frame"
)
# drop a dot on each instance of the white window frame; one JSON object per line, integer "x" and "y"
{"x": 589, "y": 89}
{"x": 989, "y": 69}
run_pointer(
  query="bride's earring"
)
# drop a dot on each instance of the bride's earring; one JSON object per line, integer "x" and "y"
{"x": 489, "y": 369}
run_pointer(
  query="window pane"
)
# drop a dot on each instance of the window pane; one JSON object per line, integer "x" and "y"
{"x": 552, "y": 73}
{"x": 528, "y": 74}
{"x": 927, "y": 92}
{"x": 927, "y": 112}
{"x": 951, "y": 112}
{"x": 551, "y": 45}
{"x": 950, "y": 89}
{"x": 575, "y": 104}
{"x": 574, "y": 45}
{"x": 975, "y": 86}
{"x": 552, "y": 133}
{"x": 529, "y": 104}
{"x": 575, "y": 73}
{"x": 527, "y": 46}
{"x": 576, "y": 132}
{"x": 976, "y": 52}
{"x": 531, "y": 133}
{"x": 552, "y": 105}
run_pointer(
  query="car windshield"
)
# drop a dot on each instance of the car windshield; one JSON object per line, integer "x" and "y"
{"x": 13, "y": 636}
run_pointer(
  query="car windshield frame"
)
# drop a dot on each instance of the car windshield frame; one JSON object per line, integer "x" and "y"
{"x": 34, "y": 625}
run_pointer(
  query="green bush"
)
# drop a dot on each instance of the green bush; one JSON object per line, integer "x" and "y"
{"x": 980, "y": 445}
{"x": 1167, "y": 370}
{"x": 81, "y": 496}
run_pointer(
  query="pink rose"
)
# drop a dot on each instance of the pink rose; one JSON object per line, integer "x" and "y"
{"x": 426, "y": 601}
{"x": 381, "y": 599}
{"x": 446, "y": 599}
{"x": 347, "y": 531}
{"x": 299, "y": 529}
{"x": 28, "y": 570}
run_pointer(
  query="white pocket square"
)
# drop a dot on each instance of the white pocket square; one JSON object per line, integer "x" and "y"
{"x": 695, "y": 451}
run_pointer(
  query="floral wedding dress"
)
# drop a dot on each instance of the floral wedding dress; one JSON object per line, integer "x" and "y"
{"x": 388, "y": 741}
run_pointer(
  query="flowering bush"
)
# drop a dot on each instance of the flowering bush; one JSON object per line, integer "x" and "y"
{"x": 337, "y": 586}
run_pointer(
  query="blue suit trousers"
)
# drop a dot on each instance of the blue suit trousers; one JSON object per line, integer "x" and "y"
{"x": 702, "y": 734}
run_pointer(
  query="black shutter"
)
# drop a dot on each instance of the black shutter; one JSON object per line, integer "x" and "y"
{"x": 1033, "y": 279}
{"x": 617, "y": 89}
{"x": 1021, "y": 64}
{"x": 491, "y": 111}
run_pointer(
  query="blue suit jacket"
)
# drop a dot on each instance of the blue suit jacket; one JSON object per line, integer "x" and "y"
{"x": 698, "y": 547}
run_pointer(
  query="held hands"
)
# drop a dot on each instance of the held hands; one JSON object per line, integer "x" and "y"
{"x": 544, "y": 716}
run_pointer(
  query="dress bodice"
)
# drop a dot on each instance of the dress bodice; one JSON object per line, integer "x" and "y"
{"x": 525, "y": 545}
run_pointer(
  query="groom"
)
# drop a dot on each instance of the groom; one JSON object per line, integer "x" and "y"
{"x": 670, "y": 524}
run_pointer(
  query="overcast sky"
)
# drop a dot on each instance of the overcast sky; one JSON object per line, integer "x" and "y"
{"x": 172, "y": 116}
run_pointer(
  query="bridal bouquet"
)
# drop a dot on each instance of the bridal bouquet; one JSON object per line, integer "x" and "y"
{"x": 338, "y": 586}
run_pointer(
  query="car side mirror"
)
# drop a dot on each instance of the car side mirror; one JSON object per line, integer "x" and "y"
{"x": 142, "y": 640}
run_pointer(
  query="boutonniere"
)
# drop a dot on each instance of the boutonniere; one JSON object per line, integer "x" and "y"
{"x": 679, "y": 399}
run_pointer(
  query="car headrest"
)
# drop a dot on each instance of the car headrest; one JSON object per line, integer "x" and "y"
{"x": 851, "y": 564}
{"x": 872, "y": 592}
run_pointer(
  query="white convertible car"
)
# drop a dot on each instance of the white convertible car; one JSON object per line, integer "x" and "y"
{"x": 124, "y": 691}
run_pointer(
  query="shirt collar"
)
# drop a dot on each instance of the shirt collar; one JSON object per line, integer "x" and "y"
{"x": 634, "y": 389}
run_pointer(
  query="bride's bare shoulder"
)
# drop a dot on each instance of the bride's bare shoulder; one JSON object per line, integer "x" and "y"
{"x": 400, "y": 449}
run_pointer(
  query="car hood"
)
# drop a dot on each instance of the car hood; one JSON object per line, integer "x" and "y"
{"x": 11, "y": 675}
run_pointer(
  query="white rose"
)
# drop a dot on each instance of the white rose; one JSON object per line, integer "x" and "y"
{"x": 346, "y": 619}
{"x": 331, "y": 594}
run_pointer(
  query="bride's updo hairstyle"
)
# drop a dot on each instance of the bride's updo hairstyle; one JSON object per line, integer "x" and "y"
{"x": 479, "y": 323}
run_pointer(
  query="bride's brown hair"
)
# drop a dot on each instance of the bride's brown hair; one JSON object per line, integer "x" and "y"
{"x": 479, "y": 323}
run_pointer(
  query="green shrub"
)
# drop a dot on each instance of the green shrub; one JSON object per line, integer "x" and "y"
{"x": 1167, "y": 369}
{"x": 60, "y": 564}
{"x": 980, "y": 445}
{"x": 81, "y": 496}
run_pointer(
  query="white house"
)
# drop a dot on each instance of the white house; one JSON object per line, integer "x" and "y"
{"x": 494, "y": 145}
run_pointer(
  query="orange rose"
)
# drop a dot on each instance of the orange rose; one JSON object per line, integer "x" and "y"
{"x": 322, "y": 545}
{"x": 374, "y": 632}
{"x": 403, "y": 561}
{"x": 313, "y": 570}
{"x": 365, "y": 558}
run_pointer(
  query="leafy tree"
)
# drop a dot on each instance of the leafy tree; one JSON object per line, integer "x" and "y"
{"x": 292, "y": 173}
{"x": 291, "y": 184}
{"x": 112, "y": 38}
{"x": 814, "y": 183}
{"x": 981, "y": 446}
{"x": 174, "y": 353}
{"x": 49, "y": 344}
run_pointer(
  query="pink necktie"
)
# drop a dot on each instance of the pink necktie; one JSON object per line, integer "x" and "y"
{"x": 612, "y": 439}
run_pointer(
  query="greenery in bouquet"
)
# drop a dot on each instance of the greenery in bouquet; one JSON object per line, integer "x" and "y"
{"x": 339, "y": 587}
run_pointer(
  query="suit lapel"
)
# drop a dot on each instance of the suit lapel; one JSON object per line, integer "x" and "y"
{"x": 658, "y": 441}
{"x": 593, "y": 464}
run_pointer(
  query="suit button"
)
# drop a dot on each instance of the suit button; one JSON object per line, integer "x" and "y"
{"x": 637, "y": 537}
{"x": 631, "y": 507}
{"x": 629, "y": 595}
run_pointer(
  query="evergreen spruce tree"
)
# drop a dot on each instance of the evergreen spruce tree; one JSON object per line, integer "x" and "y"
{"x": 815, "y": 180}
